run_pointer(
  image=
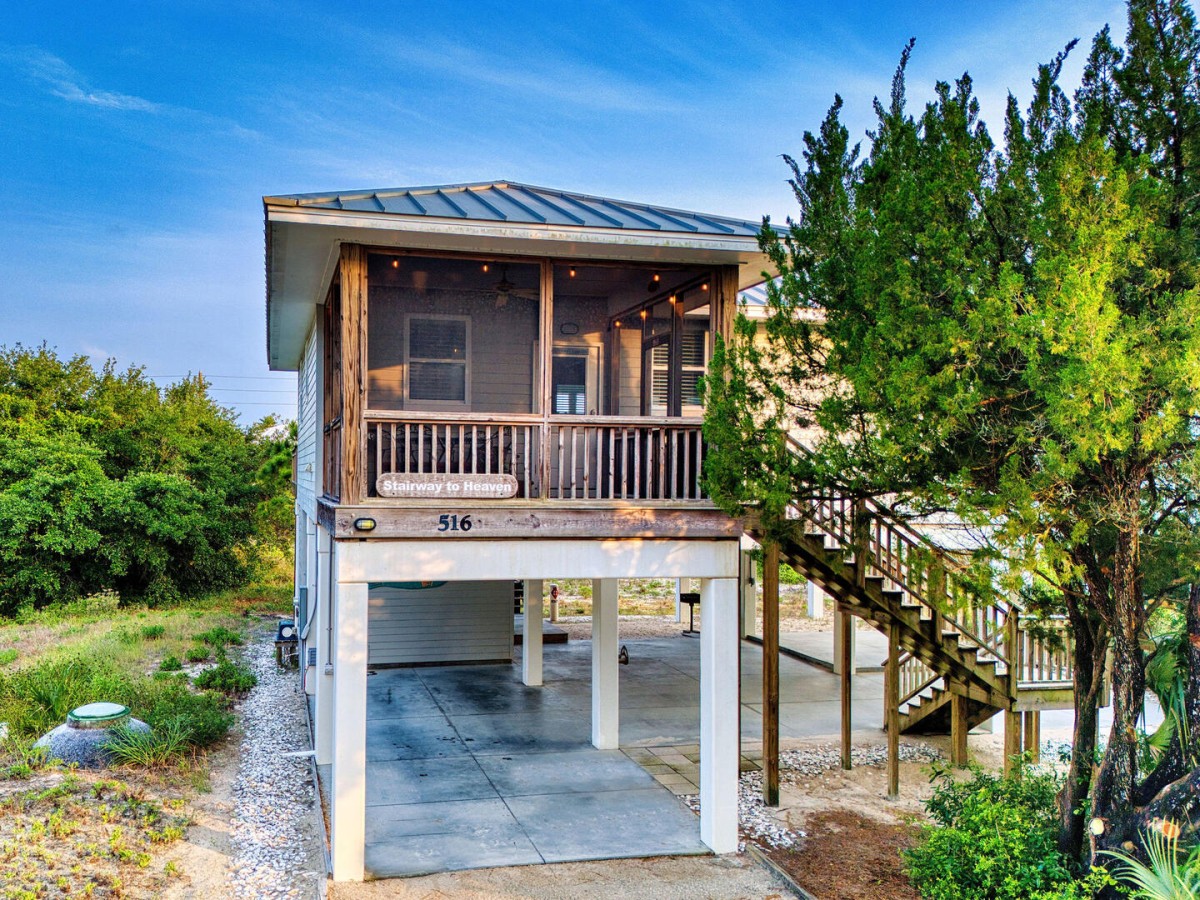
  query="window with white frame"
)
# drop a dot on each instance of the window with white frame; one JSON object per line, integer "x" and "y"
{"x": 439, "y": 353}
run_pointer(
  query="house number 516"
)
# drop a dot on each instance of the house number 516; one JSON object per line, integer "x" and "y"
{"x": 454, "y": 523}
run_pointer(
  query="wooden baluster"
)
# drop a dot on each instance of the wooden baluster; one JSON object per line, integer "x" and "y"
{"x": 637, "y": 462}
{"x": 377, "y": 430}
{"x": 561, "y": 460}
{"x": 687, "y": 467}
{"x": 420, "y": 449}
{"x": 673, "y": 452}
{"x": 624, "y": 466}
{"x": 612, "y": 462}
{"x": 700, "y": 467}
{"x": 573, "y": 463}
{"x": 587, "y": 461}
{"x": 525, "y": 456}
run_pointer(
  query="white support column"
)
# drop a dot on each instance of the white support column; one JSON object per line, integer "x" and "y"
{"x": 719, "y": 738}
{"x": 749, "y": 615}
{"x": 320, "y": 635}
{"x": 816, "y": 601}
{"x": 678, "y": 602}
{"x": 531, "y": 634}
{"x": 606, "y": 699}
{"x": 348, "y": 813}
{"x": 837, "y": 642}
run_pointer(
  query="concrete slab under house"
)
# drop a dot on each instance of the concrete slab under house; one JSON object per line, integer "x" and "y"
{"x": 498, "y": 387}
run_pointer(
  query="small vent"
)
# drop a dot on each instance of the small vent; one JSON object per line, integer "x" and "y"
{"x": 312, "y": 656}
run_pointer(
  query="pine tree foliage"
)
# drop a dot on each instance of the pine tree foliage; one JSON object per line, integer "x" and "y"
{"x": 1005, "y": 329}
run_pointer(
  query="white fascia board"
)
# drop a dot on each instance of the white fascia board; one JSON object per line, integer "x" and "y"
{"x": 480, "y": 560}
{"x": 517, "y": 231}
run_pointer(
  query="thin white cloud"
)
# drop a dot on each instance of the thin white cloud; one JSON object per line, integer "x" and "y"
{"x": 61, "y": 80}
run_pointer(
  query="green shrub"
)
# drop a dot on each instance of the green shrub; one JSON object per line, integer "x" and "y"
{"x": 788, "y": 575}
{"x": 153, "y": 632}
{"x": 227, "y": 677}
{"x": 995, "y": 839}
{"x": 35, "y": 699}
{"x": 149, "y": 748}
{"x": 199, "y": 653}
{"x": 170, "y": 663}
{"x": 7, "y": 655}
{"x": 204, "y": 718}
{"x": 220, "y": 637}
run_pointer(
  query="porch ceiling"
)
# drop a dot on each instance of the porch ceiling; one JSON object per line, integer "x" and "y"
{"x": 304, "y": 233}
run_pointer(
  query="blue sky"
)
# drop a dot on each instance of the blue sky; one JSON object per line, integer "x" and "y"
{"x": 138, "y": 138}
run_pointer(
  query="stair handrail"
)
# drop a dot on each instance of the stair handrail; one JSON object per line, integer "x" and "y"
{"x": 840, "y": 518}
{"x": 911, "y": 667}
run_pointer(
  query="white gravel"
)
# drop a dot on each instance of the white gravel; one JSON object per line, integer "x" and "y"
{"x": 757, "y": 821}
{"x": 272, "y": 828}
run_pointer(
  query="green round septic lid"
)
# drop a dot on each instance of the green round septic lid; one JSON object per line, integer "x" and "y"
{"x": 97, "y": 715}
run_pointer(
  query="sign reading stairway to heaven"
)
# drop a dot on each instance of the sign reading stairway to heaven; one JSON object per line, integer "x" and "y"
{"x": 441, "y": 487}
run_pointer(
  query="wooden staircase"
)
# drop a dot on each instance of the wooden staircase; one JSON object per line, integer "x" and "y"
{"x": 955, "y": 643}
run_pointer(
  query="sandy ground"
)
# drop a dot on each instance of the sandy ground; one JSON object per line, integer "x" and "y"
{"x": 661, "y": 878}
{"x": 862, "y": 790}
{"x": 204, "y": 854}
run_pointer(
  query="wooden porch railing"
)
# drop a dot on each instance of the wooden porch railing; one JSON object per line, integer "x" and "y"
{"x": 426, "y": 445}
{"x": 625, "y": 459}
{"x": 568, "y": 458}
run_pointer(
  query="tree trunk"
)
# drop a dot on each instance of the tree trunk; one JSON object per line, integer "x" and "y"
{"x": 1089, "y": 651}
{"x": 1114, "y": 792}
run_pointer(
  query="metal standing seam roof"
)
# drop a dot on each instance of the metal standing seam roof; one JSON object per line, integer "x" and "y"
{"x": 524, "y": 204}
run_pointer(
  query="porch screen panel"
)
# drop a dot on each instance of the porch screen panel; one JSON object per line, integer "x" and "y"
{"x": 451, "y": 334}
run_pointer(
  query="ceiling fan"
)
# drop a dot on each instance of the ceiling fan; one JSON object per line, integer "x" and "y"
{"x": 505, "y": 288}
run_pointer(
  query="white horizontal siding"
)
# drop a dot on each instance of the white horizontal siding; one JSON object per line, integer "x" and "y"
{"x": 308, "y": 421}
{"x": 464, "y": 621}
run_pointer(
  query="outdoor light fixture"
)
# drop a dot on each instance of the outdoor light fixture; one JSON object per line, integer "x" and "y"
{"x": 704, "y": 287}
{"x": 643, "y": 314}
{"x": 653, "y": 285}
{"x": 395, "y": 263}
{"x": 672, "y": 298}
{"x": 572, "y": 273}
{"x": 364, "y": 524}
{"x": 617, "y": 323}
{"x": 485, "y": 267}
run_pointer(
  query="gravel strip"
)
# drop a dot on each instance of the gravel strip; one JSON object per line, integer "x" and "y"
{"x": 757, "y": 822}
{"x": 272, "y": 828}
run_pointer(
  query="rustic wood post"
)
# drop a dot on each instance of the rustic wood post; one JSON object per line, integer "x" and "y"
{"x": 353, "y": 278}
{"x": 845, "y": 655}
{"x": 892, "y": 711}
{"x": 1012, "y": 718}
{"x": 958, "y": 723}
{"x": 1033, "y": 734}
{"x": 770, "y": 713}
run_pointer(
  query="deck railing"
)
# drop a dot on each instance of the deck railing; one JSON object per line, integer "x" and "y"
{"x": 573, "y": 458}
